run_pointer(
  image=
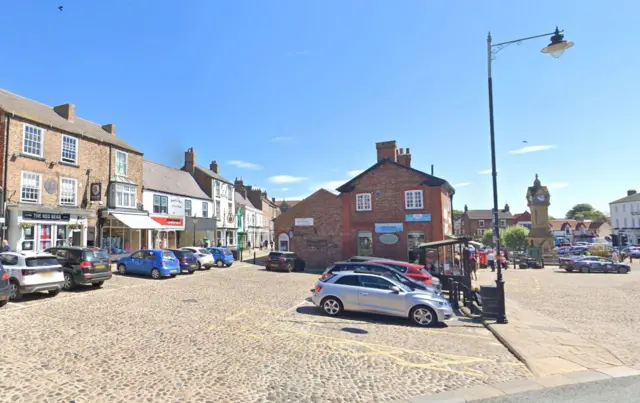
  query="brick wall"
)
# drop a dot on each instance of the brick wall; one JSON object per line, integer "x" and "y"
{"x": 321, "y": 244}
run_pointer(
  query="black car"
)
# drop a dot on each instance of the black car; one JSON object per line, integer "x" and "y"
{"x": 82, "y": 265}
{"x": 599, "y": 264}
{"x": 288, "y": 261}
{"x": 386, "y": 271}
{"x": 5, "y": 287}
{"x": 187, "y": 259}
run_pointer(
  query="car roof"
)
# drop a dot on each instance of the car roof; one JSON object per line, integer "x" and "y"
{"x": 282, "y": 252}
{"x": 369, "y": 263}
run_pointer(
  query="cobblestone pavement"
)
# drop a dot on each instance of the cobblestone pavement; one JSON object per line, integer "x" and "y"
{"x": 237, "y": 334}
{"x": 597, "y": 306}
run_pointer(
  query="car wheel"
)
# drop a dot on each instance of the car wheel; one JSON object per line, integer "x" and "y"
{"x": 583, "y": 269}
{"x": 569, "y": 270}
{"x": 422, "y": 315}
{"x": 191, "y": 271}
{"x": 229, "y": 265}
{"x": 290, "y": 267}
{"x": 3, "y": 303}
{"x": 97, "y": 284}
{"x": 69, "y": 283}
{"x": 332, "y": 306}
{"x": 155, "y": 274}
{"x": 122, "y": 269}
{"x": 14, "y": 291}
{"x": 53, "y": 293}
{"x": 623, "y": 270}
{"x": 219, "y": 263}
{"x": 267, "y": 268}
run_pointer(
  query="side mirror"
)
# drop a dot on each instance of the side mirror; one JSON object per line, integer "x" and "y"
{"x": 395, "y": 289}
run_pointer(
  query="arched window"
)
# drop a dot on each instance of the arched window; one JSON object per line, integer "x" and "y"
{"x": 283, "y": 242}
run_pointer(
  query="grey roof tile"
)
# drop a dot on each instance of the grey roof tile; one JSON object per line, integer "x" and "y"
{"x": 632, "y": 198}
{"x": 170, "y": 180}
{"x": 240, "y": 199}
{"x": 44, "y": 114}
{"x": 214, "y": 175}
{"x": 487, "y": 215}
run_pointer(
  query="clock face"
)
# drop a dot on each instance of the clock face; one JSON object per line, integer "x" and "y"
{"x": 541, "y": 198}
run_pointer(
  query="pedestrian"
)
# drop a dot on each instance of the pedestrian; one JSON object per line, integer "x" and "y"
{"x": 474, "y": 267}
{"x": 491, "y": 260}
{"x": 5, "y": 246}
{"x": 271, "y": 244}
{"x": 614, "y": 256}
{"x": 249, "y": 244}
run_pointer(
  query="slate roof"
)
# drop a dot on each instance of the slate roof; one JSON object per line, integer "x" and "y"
{"x": 170, "y": 180}
{"x": 632, "y": 198}
{"x": 488, "y": 215}
{"x": 240, "y": 199}
{"x": 290, "y": 203}
{"x": 214, "y": 175}
{"x": 37, "y": 112}
{"x": 429, "y": 180}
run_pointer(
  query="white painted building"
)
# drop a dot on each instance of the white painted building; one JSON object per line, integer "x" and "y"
{"x": 252, "y": 223}
{"x": 175, "y": 201}
{"x": 625, "y": 217}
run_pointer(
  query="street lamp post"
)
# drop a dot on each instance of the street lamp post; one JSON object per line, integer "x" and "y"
{"x": 195, "y": 221}
{"x": 556, "y": 48}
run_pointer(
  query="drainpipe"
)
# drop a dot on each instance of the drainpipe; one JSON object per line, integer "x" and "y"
{"x": 6, "y": 175}
{"x": 453, "y": 229}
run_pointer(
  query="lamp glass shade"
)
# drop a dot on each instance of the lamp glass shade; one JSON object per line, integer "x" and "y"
{"x": 557, "y": 49}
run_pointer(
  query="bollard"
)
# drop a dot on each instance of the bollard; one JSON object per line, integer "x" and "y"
{"x": 456, "y": 295}
{"x": 254, "y": 257}
{"x": 451, "y": 281}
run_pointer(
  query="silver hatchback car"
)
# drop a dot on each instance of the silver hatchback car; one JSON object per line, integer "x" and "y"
{"x": 353, "y": 291}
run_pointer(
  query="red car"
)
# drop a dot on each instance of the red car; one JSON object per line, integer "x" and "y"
{"x": 413, "y": 271}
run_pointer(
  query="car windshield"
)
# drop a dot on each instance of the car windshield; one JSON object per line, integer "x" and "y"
{"x": 184, "y": 254}
{"x": 97, "y": 254}
{"x": 168, "y": 256}
{"x": 41, "y": 261}
{"x": 202, "y": 250}
{"x": 274, "y": 255}
{"x": 227, "y": 252}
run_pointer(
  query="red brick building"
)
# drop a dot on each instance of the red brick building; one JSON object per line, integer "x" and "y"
{"x": 385, "y": 211}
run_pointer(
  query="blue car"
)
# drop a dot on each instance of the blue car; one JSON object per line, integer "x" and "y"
{"x": 222, "y": 256}
{"x": 156, "y": 263}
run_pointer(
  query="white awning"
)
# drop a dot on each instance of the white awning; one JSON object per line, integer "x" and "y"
{"x": 135, "y": 221}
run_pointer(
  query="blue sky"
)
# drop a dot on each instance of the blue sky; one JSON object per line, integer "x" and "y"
{"x": 292, "y": 95}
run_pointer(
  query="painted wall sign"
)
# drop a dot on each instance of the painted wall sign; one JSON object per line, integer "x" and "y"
{"x": 169, "y": 221}
{"x": 33, "y": 215}
{"x": 389, "y": 228}
{"x": 418, "y": 218}
{"x": 176, "y": 206}
{"x": 303, "y": 222}
{"x": 389, "y": 239}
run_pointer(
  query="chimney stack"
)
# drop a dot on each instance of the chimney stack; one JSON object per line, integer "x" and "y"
{"x": 67, "y": 111}
{"x": 387, "y": 150}
{"x": 404, "y": 157}
{"x": 273, "y": 199}
{"x": 190, "y": 161}
{"x": 214, "y": 166}
{"x": 631, "y": 192}
{"x": 466, "y": 208}
{"x": 109, "y": 128}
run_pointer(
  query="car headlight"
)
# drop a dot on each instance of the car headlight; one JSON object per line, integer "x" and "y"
{"x": 443, "y": 303}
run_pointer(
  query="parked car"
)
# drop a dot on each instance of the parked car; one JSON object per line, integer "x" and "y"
{"x": 413, "y": 271}
{"x": 599, "y": 264}
{"x": 82, "y": 265}
{"x": 222, "y": 256}
{"x": 31, "y": 272}
{"x": 288, "y": 261}
{"x": 568, "y": 263}
{"x": 156, "y": 263}
{"x": 187, "y": 260}
{"x": 632, "y": 251}
{"x": 362, "y": 258}
{"x": 387, "y": 271}
{"x": 351, "y": 291}
{"x": 5, "y": 287}
{"x": 203, "y": 256}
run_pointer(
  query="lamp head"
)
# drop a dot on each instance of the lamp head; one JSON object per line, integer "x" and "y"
{"x": 558, "y": 45}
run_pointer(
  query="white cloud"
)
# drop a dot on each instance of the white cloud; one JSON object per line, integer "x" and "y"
{"x": 531, "y": 149}
{"x": 462, "y": 184}
{"x": 286, "y": 179}
{"x": 329, "y": 185}
{"x": 284, "y": 189}
{"x": 281, "y": 139}
{"x": 244, "y": 164}
{"x": 556, "y": 185}
{"x": 487, "y": 172}
{"x": 355, "y": 172}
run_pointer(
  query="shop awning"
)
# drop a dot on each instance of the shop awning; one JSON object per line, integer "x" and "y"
{"x": 446, "y": 242}
{"x": 135, "y": 221}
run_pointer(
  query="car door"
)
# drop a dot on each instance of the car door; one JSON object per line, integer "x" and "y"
{"x": 606, "y": 265}
{"x": 136, "y": 262}
{"x": 150, "y": 261}
{"x": 348, "y": 288}
{"x": 376, "y": 296}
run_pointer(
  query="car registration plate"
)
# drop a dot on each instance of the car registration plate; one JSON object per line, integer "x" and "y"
{"x": 46, "y": 273}
{"x": 192, "y": 266}
{"x": 174, "y": 271}
{"x": 100, "y": 266}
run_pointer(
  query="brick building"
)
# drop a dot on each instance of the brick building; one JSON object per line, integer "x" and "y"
{"x": 67, "y": 180}
{"x": 474, "y": 223}
{"x": 385, "y": 211}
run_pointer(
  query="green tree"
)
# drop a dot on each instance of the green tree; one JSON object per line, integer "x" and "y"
{"x": 487, "y": 238}
{"x": 515, "y": 237}
{"x": 457, "y": 213}
{"x": 585, "y": 211}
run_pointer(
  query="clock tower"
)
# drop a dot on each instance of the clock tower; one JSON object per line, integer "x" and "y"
{"x": 538, "y": 201}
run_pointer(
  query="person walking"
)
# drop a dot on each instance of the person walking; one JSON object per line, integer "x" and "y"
{"x": 614, "y": 256}
{"x": 491, "y": 260}
{"x": 5, "y": 246}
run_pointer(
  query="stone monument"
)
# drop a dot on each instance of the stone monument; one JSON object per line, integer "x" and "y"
{"x": 538, "y": 200}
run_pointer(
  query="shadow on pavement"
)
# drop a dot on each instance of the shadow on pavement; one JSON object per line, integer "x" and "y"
{"x": 362, "y": 317}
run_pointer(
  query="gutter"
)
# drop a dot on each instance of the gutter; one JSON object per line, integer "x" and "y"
{"x": 6, "y": 174}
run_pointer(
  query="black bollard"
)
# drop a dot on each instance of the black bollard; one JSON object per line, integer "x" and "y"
{"x": 254, "y": 257}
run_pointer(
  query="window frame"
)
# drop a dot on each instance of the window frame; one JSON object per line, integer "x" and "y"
{"x": 24, "y": 140}
{"x": 414, "y": 192}
{"x": 77, "y": 143}
{"x": 39, "y": 176}
{"x": 161, "y": 208}
{"x": 503, "y": 223}
{"x": 75, "y": 192}
{"x": 129, "y": 187}
{"x": 364, "y": 206}
{"x": 480, "y": 223}
{"x": 205, "y": 209}
{"x": 187, "y": 202}
{"x": 126, "y": 163}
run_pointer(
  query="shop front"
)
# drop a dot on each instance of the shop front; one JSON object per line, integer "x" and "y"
{"x": 198, "y": 231}
{"x": 167, "y": 236}
{"x": 122, "y": 232}
{"x": 37, "y": 230}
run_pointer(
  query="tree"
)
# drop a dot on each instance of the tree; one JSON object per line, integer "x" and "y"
{"x": 457, "y": 213}
{"x": 487, "y": 238}
{"x": 515, "y": 237}
{"x": 585, "y": 211}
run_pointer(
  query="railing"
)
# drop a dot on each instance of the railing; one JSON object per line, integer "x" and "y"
{"x": 459, "y": 292}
